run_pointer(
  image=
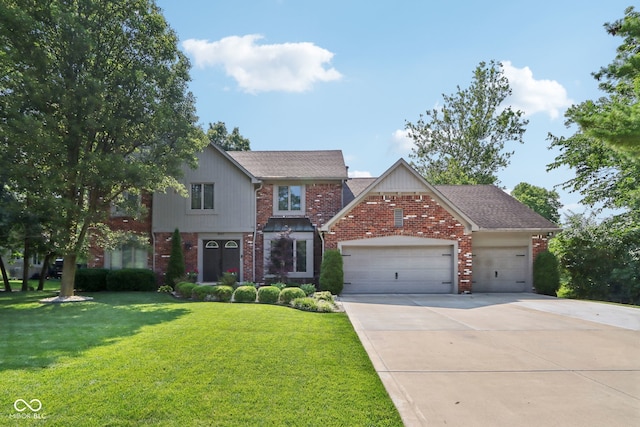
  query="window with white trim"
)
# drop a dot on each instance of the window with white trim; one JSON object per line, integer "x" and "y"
{"x": 202, "y": 196}
{"x": 128, "y": 255}
{"x": 288, "y": 199}
{"x": 298, "y": 256}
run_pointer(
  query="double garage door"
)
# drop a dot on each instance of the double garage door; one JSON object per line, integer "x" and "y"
{"x": 398, "y": 269}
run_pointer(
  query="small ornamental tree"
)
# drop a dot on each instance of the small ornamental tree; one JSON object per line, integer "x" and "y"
{"x": 546, "y": 274}
{"x": 175, "y": 269}
{"x": 281, "y": 257}
{"x": 331, "y": 272}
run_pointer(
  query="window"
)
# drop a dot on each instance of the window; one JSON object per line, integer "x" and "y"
{"x": 201, "y": 196}
{"x": 398, "y": 218}
{"x": 289, "y": 198}
{"x": 128, "y": 255}
{"x": 294, "y": 261}
{"x": 293, "y": 255}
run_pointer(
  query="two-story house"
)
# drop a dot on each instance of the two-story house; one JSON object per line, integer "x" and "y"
{"x": 397, "y": 233}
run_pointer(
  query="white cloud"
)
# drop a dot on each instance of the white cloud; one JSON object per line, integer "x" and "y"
{"x": 401, "y": 142}
{"x": 535, "y": 96}
{"x": 288, "y": 67}
{"x": 360, "y": 174}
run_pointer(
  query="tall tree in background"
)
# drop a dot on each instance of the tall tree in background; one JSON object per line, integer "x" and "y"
{"x": 615, "y": 118}
{"x": 544, "y": 202}
{"x": 94, "y": 102}
{"x": 217, "y": 134}
{"x": 463, "y": 141}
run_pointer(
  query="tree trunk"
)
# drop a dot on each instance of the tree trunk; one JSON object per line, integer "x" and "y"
{"x": 5, "y": 278}
{"x": 68, "y": 280}
{"x": 44, "y": 270}
{"x": 25, "y": 265}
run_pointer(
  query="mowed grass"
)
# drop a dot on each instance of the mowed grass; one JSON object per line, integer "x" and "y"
{"x": 130, "y": 359}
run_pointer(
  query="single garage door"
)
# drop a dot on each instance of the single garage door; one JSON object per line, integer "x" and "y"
{"x": 398, "y": 269}
{"x": 501, "y": 270}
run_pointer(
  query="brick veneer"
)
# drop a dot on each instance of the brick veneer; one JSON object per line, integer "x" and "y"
{"x": 539, "y": 244}
{"x": 423, "y": 217}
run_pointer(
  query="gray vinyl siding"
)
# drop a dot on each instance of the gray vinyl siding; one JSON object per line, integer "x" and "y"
{"x": 234, "y": 199}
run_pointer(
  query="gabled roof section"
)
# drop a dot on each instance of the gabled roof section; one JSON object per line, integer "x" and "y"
{"x": 254, "y": 179}
{"x": 399, "y": 178}
{"x": 285, "y": 165}
{"x": 353, "y": 187}
{"x": 493, "y": 209}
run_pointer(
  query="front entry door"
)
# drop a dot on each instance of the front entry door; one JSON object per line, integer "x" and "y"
{"x": 220, "y": 256}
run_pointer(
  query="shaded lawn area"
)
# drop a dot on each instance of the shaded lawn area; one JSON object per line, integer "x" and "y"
{"x": 129, "y": 359}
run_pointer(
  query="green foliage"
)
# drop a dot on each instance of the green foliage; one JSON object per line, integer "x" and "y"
{"x": 228, "y": 279}
{"x": 185, "y": 289}
{"x": 544, "y": 202}
{"x": 324, "y": 296}
{"x": 308, "y": 288}
{"x": 331, "y": 272}
{"x": 217, "y": 134}
{"x": 546, "y": 274}
{"x": 165, "y": 289}
{"x": 313, "y": 304}
{"x": 131, "y": 279}
{"x": 280, "y": 285}
{"x": 222, "y": 293}
{"x": 175, "y": 269}
{"x": 268, "y": 294}
{"x": 463, "y": 141}
{"x": 289, "y": 294}
{"x": 94, "y": 102}
{"x": 245, "y": 294}
{"x": 200, "y": 292}
{"x": 92, "y": 279}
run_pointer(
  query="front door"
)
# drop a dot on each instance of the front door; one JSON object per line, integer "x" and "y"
{"x": 220, "y": 256}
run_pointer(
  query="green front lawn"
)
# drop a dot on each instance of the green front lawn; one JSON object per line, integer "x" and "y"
{"x": 129, "y": 359}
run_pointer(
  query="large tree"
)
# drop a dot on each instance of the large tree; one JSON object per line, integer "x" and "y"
{"x": 93, "y": 102}
{"x": 217, "y": 134}
{"x": 462, "y": 142}
{"x": 615, "y": 118}
{"x": 543, "y": 201}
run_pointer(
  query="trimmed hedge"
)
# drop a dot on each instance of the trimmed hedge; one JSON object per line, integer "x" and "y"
{"x": 91, "y": 279}
{"x": 546, "y": 274}
{"x": 289, "y": 294}
{"x": 199, "y": 293}
{"x": 185, "y": 289}
{"x": 245, "y": 294}
{"x": 222, "y": 293}
{"x": 131, "y": 279}
{"x": 268, "y": 294}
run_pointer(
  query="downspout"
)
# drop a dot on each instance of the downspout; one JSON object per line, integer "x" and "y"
{"x": 255, "y": 232}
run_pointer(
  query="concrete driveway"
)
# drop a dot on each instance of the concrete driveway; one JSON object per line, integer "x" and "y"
{"x": 503, "y": 359}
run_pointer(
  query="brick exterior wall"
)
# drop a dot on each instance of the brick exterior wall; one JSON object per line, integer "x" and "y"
{"x": 539, "y": 244}
{"x": 423, "y": 217}
{"x": 163, "y": 252}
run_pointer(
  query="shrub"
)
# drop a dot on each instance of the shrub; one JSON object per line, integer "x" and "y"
{"x": 268, "y": 294}
{"x": 289, "y": 294}
{"x": 185, "y": 289}
{"x": 280, "y": 285}
{"x": 324, "y": 296}
{"x": 308, "y": 288}
{"x": 228, "y": 279}
{"x": 245, "y": 294}
{"x": 165, "y": 289}
{"x": 175, "y": 269}
{"x": 131, "y": 279}
{"x": 91, "y": 279}
{"x": 331, "y": 272}
{"x": 222, "y": 293}
{"x": 305, "y": 303}
{"x": 199, "y": 293}
{"x": 546, "y": 274}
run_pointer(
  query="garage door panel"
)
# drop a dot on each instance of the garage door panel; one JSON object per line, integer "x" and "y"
{"x": 398, "y": 269}
{"x": 500, "y": 269}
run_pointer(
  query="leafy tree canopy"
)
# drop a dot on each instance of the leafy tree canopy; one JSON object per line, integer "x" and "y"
{"x": 463, "y": 141}
{"x": 616, "y": 117}
{"x": 543, "y": 201}
{"x": 94, "y": 102}
{"x": 217, "y": 134}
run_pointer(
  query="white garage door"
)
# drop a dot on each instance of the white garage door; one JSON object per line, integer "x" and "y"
{"x": 501, "y": 270}
{"x": 398, "y": 269}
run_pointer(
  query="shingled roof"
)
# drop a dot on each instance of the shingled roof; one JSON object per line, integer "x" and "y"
{"x": 327, "y": 164}
{"x": 487, "y": 206}
{"x": 491, "y": 208}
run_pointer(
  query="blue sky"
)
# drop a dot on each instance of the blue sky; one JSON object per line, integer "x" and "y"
{"x": 314, "y": 75}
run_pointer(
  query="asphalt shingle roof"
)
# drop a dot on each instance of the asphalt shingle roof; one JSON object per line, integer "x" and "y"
{"x": 325, "y": 164}
{"x": 491, "y": 208}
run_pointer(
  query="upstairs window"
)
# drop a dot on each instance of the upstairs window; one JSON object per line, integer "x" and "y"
{"x": 201, "y": 196}
{"x": 289, "y": 198}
